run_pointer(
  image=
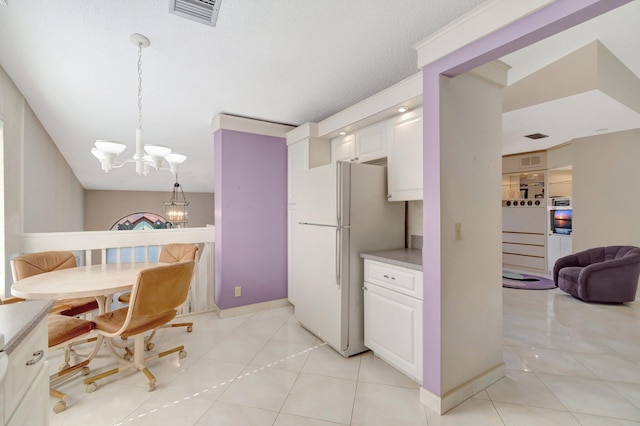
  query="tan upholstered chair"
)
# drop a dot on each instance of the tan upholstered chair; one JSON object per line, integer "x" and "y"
{"x": 31, "y": 264}
{"x": 155, "y": 297}
{"x": 170, "y": 253}
{"x": 63, "y": 331}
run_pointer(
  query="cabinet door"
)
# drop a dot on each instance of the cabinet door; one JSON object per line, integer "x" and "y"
{"x": 404, "y": 159}
{"x": 371, "y": 143}
{"x": 393, "y": 328}
{"x": 297, "y": 159}
{"x": 343, "y": 148}
{"x": 34, "y": 407}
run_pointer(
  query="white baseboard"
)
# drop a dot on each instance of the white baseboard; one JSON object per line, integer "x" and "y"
{"x": 442, "y": 404}
{"x": 252, "y": 309}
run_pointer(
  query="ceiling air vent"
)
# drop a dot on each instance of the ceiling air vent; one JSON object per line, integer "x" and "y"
{"x": 203, "y": 11}
{"x": 536, "y": 136}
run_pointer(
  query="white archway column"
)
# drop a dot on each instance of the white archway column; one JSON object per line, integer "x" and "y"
{"x": 462, "y": 291}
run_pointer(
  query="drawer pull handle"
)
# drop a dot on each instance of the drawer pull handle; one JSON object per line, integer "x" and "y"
{"x": 38, "y": 356}
{"x": 388, "y": 277}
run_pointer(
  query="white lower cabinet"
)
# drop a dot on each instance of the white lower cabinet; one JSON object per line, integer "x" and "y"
{"x": 393, "y": 320}
{"x": 26, "y": 384}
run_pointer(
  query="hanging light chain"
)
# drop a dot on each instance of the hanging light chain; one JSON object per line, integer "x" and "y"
{"x": 140, "y": 85}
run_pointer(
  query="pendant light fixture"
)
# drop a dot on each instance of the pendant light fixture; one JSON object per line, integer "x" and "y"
{"x": 147, "y": 156}
{"x": 176, "y": 208}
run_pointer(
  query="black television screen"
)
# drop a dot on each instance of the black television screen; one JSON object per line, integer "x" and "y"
{"x": 562, "y": 221}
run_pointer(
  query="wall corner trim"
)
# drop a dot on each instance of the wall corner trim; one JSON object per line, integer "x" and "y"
{"x": 249, "y": 125}
{"x": 479, "y": 22}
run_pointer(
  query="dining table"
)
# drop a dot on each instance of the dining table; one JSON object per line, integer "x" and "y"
{"x": 100, "y": 281}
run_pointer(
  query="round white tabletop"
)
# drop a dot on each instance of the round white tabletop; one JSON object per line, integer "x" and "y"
{"x": 83, "y": 281}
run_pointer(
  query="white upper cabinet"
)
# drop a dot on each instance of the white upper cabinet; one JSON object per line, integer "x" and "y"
{"x": 371, "y": 143}
{"x": 366, "y": 144}
{"x": 343, "y": 148}
{"x": 404, "y": 157}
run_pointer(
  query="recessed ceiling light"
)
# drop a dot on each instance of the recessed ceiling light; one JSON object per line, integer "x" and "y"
{"x": 536, "y": 136}
{"x": 343, "y": 133}
{"x": 403, "y": 109}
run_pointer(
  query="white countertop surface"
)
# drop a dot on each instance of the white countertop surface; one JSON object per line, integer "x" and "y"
{"x": 18, "y": 319}
{"x": 404, "y": 257}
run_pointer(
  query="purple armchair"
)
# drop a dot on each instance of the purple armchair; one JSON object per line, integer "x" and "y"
{"x": 602, "y": 274}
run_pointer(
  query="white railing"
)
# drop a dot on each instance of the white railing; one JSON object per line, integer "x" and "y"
{"x": 130, "y": 246}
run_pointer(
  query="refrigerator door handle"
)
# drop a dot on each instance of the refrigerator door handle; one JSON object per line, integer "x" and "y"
{"x": 338, "y": 257}
{"x": 316, "y": 224}
{"x": 338, "y": 193}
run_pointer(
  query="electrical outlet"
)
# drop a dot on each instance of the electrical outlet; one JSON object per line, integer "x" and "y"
{"x": 238, "y": 291}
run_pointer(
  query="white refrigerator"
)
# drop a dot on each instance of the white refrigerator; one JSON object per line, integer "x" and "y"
{"x": 342, "y": 211}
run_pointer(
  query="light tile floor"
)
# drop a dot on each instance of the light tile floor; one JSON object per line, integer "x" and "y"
{"x": 568, "y": 363}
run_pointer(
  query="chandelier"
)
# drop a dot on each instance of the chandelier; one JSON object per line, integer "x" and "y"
{"x": 176, "y": 208}
{"x": 146, "y": 156}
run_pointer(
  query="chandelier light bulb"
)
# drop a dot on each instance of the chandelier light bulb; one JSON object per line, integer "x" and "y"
{"x": 106, "y": 151}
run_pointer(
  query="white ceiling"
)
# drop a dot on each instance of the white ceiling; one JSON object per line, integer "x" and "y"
{"x": 287, "y": 61}
{"x": 581, "y": 115}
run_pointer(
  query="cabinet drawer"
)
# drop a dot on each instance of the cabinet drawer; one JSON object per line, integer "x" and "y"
{"x": 402, "y": 280}
{"x": 25, "y": 362}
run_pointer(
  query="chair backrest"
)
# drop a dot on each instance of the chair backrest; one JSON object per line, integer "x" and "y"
{"x": 160, "y": 289}
{"x": 178, "y": 252}
{"x": 38, "y": 263}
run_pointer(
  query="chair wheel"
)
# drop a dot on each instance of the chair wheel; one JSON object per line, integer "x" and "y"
{"x": 91, "y": 387}
{"x": 182, "y": 354}
{"x": 85, "y": 371}
{"x": 149, "y": 345}
{"x": 59, "y": 407}
{"x": 151, "y": 387}
{"x": 64, "y": 366}
{"x": 189, "y": 329}
{"x": 127, "y": 356}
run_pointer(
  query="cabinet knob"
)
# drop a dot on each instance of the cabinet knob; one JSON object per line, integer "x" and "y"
{"x": 364, "y": 288}
{"x": 388, "y": 195}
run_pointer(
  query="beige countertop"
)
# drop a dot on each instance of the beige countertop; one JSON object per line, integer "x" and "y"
{"x": 18, "y": 319}
{"x": 403, "y": 257}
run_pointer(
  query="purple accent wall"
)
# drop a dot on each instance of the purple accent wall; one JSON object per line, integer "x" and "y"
{"x": 250, "y": 218}
{"x": 556, "y": 17}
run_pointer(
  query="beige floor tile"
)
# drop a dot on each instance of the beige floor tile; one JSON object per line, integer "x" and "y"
{"x": 322, "y": 398}
{"x": 523, "y": 388}
{"x": 168, "y": 407}
{"x": 325, "y": 361}
{"x": 223, "y": 414}
{"x": 291, "y": 420}
{"x": 384, "y": 405}
{"x": 375, "y": 370}
{"x": 523, "y": 415}
{"x": 590, "y": 396}
{"x": 472, "y": 412}
{"x": 266, "y": 388}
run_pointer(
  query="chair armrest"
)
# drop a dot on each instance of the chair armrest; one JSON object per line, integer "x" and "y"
{"x": 563, "y": 262}
{"x": 608, "y": 264}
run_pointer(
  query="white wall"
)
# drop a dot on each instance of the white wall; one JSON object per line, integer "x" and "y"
{"x": 470, "y": 173}
{"x": 103, "y": 208}
{"x": 53, "y": 200}
{"x": 606, "y": 183}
